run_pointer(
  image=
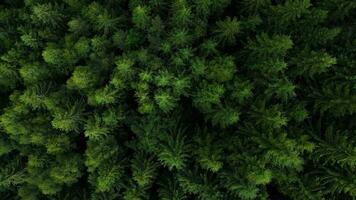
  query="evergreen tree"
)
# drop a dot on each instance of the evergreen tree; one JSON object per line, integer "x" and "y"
{"x": 177, "y": 100}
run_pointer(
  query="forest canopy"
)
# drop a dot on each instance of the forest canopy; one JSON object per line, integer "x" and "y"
{"x": 178, "y": 100}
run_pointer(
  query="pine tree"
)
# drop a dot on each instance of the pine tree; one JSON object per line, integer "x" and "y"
{"x": 177, "y": 100}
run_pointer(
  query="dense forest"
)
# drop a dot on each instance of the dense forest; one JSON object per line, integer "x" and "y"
{"x": 178, "y": 100}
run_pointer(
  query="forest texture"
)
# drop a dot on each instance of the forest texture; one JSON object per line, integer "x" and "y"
{"x": 178, "y": 100}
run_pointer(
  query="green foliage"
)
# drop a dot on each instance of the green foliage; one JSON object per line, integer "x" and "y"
{"x": 58, "y": 144}
{"x": 82, "y": 78}
{"x": 209, "y": 151}
{"x": 8, "y": 76}
{"x": 108, "y": 175}
{"x": 100, "y": 151}
{"x": 339, "y": 99}
{"x": 33, "y": 73}
{"x": 170, "y": 190}
{"x": 11, "y": 175}
{"x": 66, "y": 170}
{"x": 283, "y": 90}
{"x": 173, "y": 151}
{"x": 105, "y": 22}
{"x": 53, "y": 56}
{"x": 143, "y": 169}
{"x": 47, "y": 14}
{"x": 5, "y": 146}
{"x": 77, "y": 25}
{"x": 82, "y": 47}
{"x": 269, "y": 117}
{"x": 313, "y": 63}
{"x": 30, "y": 40}
{"x": 69, "y": 119}
{"x": 224, "y": 117}
{"x": 165, "y": 101}
{"x": 282, "y": 151}
{"x": 222, "y": 69}
{"x": 266, "y": 46}
{"x": 241, "y": 91}
{"x": 177, "y": 100}
{"x": 335, "y": 147}
{"x": 227, "y": 30}
{"x": 140, "y": 16}
{"x": 208, "y": 95}
{"x": 292, "y": 10}
{"x": 103, "y": 96}
{"x": 252, "y": 6}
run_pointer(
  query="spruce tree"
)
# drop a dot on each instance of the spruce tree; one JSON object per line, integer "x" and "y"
{"x": 177, "y": 99}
